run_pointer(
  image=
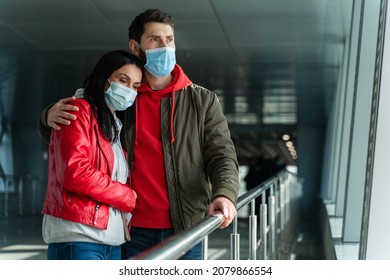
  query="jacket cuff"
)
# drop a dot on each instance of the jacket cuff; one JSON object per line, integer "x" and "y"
{"x": 230, "y": 192}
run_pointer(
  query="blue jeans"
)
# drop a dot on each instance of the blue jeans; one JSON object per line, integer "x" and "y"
{"x": 145, "y": 238}
{"x": 82, "y": 251}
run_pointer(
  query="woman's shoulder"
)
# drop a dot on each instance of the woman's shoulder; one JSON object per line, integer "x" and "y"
{"x": 84, "y": 108}
{"x": 82, "y": 103}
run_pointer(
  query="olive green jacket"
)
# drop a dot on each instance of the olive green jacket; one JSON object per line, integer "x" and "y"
{"x": 201, "y": 164}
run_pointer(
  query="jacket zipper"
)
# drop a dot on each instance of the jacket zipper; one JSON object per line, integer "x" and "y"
{"x": 96, "y": 214}
{"x": 176, "y": 178}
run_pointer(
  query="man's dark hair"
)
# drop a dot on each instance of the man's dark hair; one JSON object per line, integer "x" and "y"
{"x": 136, "y": 28}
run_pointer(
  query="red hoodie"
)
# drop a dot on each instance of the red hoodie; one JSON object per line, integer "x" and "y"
{"x": 148, "y": 173}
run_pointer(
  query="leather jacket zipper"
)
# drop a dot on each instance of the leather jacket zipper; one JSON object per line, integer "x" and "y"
{"x": 96, "y": 214}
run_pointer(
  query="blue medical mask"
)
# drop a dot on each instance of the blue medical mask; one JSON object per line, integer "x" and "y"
{"x": 119, "y": 97}
{"x": 161, "y": 61}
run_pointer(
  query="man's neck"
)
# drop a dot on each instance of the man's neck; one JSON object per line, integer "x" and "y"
{"x": 157, "y": 83}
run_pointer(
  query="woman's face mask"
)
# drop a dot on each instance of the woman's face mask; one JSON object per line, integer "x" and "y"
{"x": 119, "y": 97}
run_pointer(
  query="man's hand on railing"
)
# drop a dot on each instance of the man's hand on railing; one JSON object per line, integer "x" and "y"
{"x": 222, "y": 205}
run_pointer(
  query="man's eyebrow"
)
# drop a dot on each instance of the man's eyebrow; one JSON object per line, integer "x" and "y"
{"x": 159, "y": 36}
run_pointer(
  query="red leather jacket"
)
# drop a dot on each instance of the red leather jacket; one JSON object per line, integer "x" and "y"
{"x": 81, "y": 161}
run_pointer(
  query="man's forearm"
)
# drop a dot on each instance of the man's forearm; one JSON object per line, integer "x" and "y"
{"x": 44, "y": 130}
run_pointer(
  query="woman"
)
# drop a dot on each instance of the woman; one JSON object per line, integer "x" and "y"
{"x": 88, "y": 201}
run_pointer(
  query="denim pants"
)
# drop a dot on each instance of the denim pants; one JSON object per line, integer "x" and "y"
{"x": 145, "y": 238}
{"x": 82, "y": 251}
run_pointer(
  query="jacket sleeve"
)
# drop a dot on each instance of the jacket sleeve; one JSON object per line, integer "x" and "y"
{"x": 220, "y": 154}
{"x": 75, "y": 170}
{"x": 44, "y": 130}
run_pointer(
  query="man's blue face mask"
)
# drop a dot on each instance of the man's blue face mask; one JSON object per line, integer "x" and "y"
{"x": 161, "y": 61}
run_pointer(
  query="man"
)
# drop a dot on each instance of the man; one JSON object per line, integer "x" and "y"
{"x": 182, "y": 159}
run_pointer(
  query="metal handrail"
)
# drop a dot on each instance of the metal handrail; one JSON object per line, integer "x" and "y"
{"x": 177, "y": 245}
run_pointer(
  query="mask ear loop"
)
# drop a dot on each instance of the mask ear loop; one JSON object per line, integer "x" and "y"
{"x": 108, "y": 86}
{"x": 139, "y": 53}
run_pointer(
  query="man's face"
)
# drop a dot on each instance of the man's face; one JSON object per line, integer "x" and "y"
{"x": 157, "y": 35}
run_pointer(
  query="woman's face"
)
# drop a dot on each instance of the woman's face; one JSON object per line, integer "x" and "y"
{"x": 128, "y": 75}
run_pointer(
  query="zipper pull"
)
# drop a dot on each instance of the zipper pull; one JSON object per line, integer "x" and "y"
{"x": 96, "y": 214}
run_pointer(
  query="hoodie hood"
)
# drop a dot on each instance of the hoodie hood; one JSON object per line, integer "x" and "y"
{"x": 179, "y": 81}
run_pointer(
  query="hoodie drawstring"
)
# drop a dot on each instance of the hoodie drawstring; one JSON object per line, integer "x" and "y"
{"x": 136, "y": 121}
{"x": 172, "y": 115}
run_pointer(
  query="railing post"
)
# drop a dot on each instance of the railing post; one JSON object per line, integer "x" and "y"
{"x": 278, "y": 220}
{"x": 235, "y": 242}
{"x": 205, "y": 246}
{"x": 271, "y": 202}
{"x": 283, "y": 198}
{"x": 263, "y": 231}
{"x": 252, "y": 232}
{"x": 289, "y": 199}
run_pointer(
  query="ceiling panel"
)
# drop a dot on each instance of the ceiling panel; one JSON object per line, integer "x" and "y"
{"x": 47, "y": 12}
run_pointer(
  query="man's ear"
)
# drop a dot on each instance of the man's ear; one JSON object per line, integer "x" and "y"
{"x": 134, "y": 48}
